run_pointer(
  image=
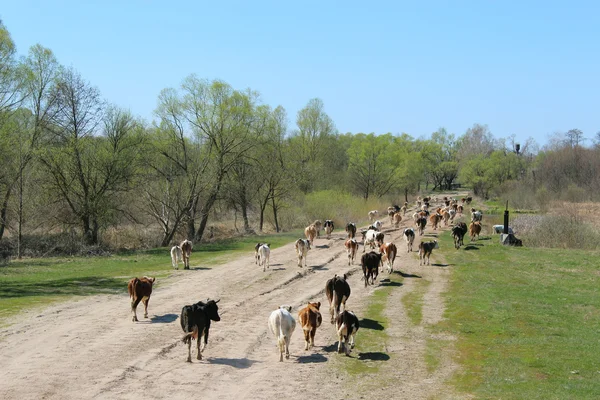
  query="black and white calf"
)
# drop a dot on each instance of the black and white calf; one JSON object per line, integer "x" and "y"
{"x": 328, "y": 225}
{"x": 409, "y": 236}
{"x": 347, "y": 325}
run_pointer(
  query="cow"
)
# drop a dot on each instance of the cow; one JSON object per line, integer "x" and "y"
{"x": 476, "y": 216}
{"x": 370, "y": 266}
{"x": 369, "y": 238}
{"x": 195, "y": 322}
{"x": 302, "y": 248}
{"x": 435, "y": 220}
{"x": 337, "y": 291}
{"x": 351, "y": 230}
{"x": 377, "y": 224}
{"x": 425, "y": 249}
{"x": 445, "y": 217}
{"x": 328, "y": 227}
{"x": 186, "y": 252}
{"x": 351, "y": 248}
{"x": 373, "y": 214}
{"x": 379, "y": 238}
{"x": 311, "y": 233}
{"x": 404, "y": 208}
{"x": 391, "y": 211}
{"x": 409, "y": 236}
{"x": 256, "y": 252}
{"x": 458, "y": 233}
{"x": 282, "y": 324}
{"x": 310, "y": 319}
{"x": 346, "y": 326}
{"x": 388, "y": 253}
{"x": 452, "y": 213}
{"x": 459, "y": 210}
{"x": 140, "y": 289}
{"x": 396, "y": 219}
{"x": 264, "y": 253}
{"x": 469, "y": 200}
{"x": 421, "y": 223}
{"x": 474, "y": 230}
{"x": 176, "y": 256}
{"x": 318, "y": 226}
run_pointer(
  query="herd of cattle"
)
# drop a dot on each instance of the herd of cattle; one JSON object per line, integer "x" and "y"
{"x": 196, "y": 318}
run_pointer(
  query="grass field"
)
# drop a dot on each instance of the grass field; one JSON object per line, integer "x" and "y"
{"x": 527, "y": 320}
{"x": 38, "y": 282}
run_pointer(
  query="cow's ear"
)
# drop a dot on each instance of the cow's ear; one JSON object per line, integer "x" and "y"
{"x": 218, "y": 300}
{"x": 153, "y": 279}
{"x": 289, "y": 308}
{"x": 345, "y": 276}
{"x": 318, "y": 304}
{"x": 268, "y": 244}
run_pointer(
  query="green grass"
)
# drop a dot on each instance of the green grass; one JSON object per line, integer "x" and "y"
{"x": 527, "y": 321}
{"x": 30, "y": 283}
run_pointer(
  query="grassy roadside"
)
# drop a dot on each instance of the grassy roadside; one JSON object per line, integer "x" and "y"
{"x": 526, "y": 320}
{"x": 39, "y": 282}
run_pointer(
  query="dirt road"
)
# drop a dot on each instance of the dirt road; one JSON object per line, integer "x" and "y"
{"x": 91, "y": 349}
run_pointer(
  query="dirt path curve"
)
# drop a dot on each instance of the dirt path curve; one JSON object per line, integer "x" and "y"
{"x": 91, "y": 349}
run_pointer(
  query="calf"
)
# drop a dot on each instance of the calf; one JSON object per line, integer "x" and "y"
{"x": 318, "y": 226}
{"x": 195, "y": 322}
{"x": 351, "y": 248}
{"x": 328, "y": 227}
{"x": 302, "y": 248}
{"x": 351, "y": 230}
{"x": 409, "y": 236}
{"x": 311, "y": 233}
{"x": 373, "y": 214}
{"x": 474, "y": 230}
{"x": 176, "y": 256}
{"x": 396, "y": 219}
{"x": 458, "y": 233}
{"x": 425, "y": 249}
{"x": 256, "y": 252}
{"x": 140, "y": 289}
{"x": 310, "y": 319}
{"x": 388, "y": 252}
{"x": 264, "y": 253}
{"x": 377, "y": 224}
{"x": 282, "y": 324}
{"x": 370, "y": 266}
{"x": 346, "y": 325}
{"x": 337, "y": 290}
{"x": 369, "y": 238}
{"x": 421, "y": 223}
{"x": 186, "y": 252}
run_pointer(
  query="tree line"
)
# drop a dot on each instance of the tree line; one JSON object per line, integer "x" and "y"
{"x": 73, "y": 161}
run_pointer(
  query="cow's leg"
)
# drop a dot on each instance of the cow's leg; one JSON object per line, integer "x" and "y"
{"x": 306, "y": 338}
{"x": 189, "y": 359}
{"x": 287, "y": 347}
{"x": 346, "y": 346}
{"x": 313, "y": 331}
{"x": 340, "y": 341}
{"x": 268, "y": 258}
{"x": 134, "y": 304}
{"x": 145, "y": 300}
{"x": 352, "y": 340}
{"x": 198, "y": 349}
{"x": 205, "y": 343}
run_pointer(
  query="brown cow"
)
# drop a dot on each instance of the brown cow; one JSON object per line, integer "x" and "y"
{"x": 140, "y": 289}
{"x": 435, "y": 220}
{"x": 310, "y": 319}
{"x": 396, "y": 219}
{"x": 186, "y": 252}
{"x": 311, "y": 233}
{"x": 474, "y": 230}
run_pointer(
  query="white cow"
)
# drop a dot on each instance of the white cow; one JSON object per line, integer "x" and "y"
{"x": 302, "y": 248}
{"x": 176, "y": 256}
{"x": 377, "y": 224}
{"x": 500, "y": 229}
{"x": 369, "y": 239}
{"x": 264, "y": 253}
{"x": 282, "y": 324}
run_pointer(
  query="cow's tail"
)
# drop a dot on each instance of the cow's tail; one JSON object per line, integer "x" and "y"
{"x": 187, "y": 338}
{"x": 334, "y": 304}
{"x": 132, "y": 287}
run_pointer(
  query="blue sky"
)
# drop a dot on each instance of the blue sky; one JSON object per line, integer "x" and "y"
{"x": 528, "y": 68}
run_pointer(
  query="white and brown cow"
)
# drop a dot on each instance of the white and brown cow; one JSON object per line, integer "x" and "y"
{"x": 282, "y": 325}
{"x": 311, "y": 233}
{"x": 351, "y": 248}
{"x": 264, "y": 254}
{"x": 310, "y": 319}
{"x": 318, "y": 226}
{"x": 388, "y": 252}
{"x": 351, "y": 230}
{"x": 186, "y": 251}
{"x": 302, "y": 248}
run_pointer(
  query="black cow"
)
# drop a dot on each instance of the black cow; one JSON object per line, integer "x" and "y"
{"x": 351, "y": 229}
{"x": 347, "y": 326}
{"x": 195, "y": 322}
{"x": 337, "y": 290}
{"x": 370, "y": 266}
{"x": 458, "y": 233}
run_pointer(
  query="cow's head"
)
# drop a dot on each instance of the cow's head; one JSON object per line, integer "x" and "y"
{"x": 212, "y": 309}
{"x": 307, "y": 243}
{"x": 286, "y": 308}
{"x": 436, "y": 244}
{"x": 149, "y": 279}
{"x": 316, "y": 305}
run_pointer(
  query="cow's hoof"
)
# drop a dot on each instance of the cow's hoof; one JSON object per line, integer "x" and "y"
{"x": 134, "y": 319}
{"x": 146, "y": 316}
{"x": 287, "y": 356}
{"x": 189, "y": 360}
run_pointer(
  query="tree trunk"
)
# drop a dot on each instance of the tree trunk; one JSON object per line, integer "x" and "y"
{"x": 406, "y": 195}
{"x": 4, "y": 211}
{"x": 275, "y": 214}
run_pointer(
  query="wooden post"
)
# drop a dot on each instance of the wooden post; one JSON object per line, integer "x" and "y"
{"x": 506, "y": 219}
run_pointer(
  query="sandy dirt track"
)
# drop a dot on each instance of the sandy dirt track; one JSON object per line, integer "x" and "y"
{"x": 90, "y": 348}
